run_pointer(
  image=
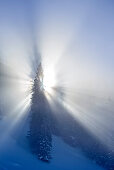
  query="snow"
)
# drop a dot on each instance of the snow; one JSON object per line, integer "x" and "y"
{"x": 15, "y": 154}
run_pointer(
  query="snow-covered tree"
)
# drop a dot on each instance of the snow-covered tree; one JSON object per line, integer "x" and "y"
{"x": 40, "y": 133}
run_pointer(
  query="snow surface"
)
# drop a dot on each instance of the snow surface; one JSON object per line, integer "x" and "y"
{"x": 15, "y": 154}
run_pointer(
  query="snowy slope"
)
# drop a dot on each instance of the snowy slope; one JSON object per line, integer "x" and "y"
{"x": 15, "y": 155}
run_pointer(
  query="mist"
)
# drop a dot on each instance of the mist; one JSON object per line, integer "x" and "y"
{"x": 74, "y": 41}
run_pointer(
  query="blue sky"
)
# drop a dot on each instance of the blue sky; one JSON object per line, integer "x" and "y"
{"x": 76, "y": 36}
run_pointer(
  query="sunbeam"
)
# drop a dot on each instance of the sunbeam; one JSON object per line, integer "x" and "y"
{"x": 71, "y": 43}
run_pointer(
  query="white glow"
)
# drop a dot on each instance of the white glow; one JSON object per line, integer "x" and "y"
{"x": 49, "y": 79}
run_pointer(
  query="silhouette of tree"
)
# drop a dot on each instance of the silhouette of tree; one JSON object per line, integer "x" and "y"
{"x": 40, "y": 138}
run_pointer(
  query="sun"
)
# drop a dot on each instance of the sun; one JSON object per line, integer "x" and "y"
{"x": 49, "y": 80}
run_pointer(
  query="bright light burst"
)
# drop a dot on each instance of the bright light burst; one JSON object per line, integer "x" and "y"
{"x": 49, "y": 79}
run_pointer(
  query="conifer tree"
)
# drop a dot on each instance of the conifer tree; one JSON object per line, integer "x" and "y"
{"x": 40, "y": 138}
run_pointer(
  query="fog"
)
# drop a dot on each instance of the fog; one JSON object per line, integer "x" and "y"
{"x": 74, "y": 40}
